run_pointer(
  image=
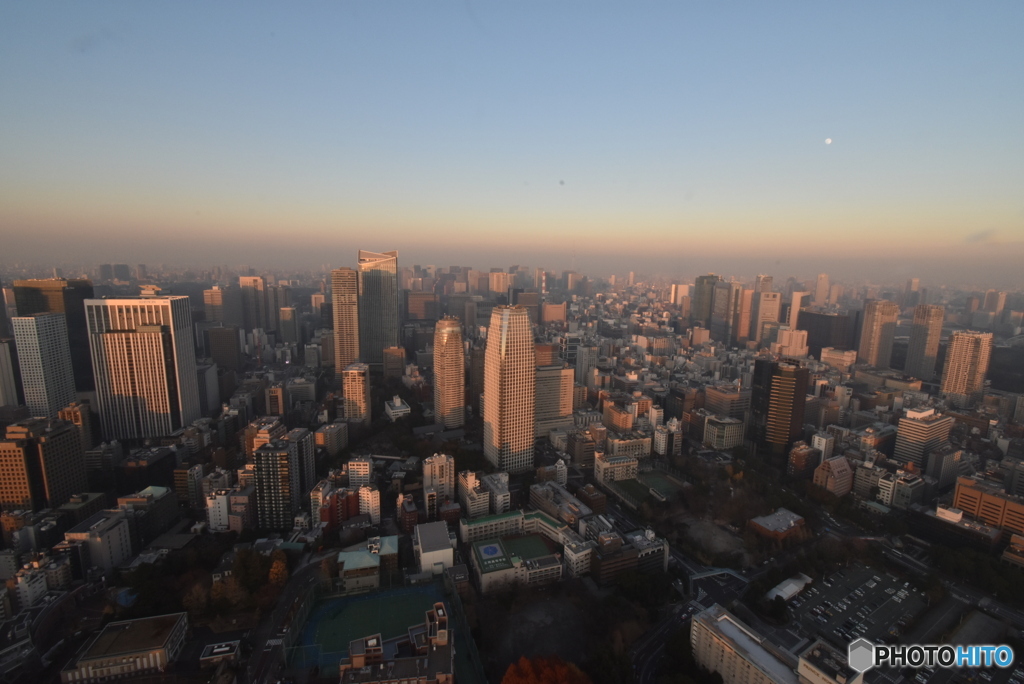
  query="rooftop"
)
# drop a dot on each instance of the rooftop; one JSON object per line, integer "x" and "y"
{"x": 745, "y": 642}
{"x": 779, "y": 521}
{"x": 491, "y": 556}
{"x": 433, "y": 536}
{"x": 133, "y": 636}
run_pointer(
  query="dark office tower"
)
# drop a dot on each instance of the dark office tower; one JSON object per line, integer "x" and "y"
{"x": 106, "y": 273}
{"x": 79, "y": 414}
{"x": 254, "y": 302}
{"x": 911, "y": 294}
{"x": 47, "y": 378}
{"x": 140, "y": 272}
{"x": 703, "y": 298}
{"x": 43, "y": 464}
{"x": 778, "y": 396}
{"x": 924, "y": 341}
{"x": 378, "y": 305}
{"x": 224, "y": 347}
{"x": 345, "y": 308}
{"x": 821, "y": 288}
{"x": 724, "y": 307}
{"x": 277, "y": 485}
{"x": 122, "y": 272}
{"x": 766, "y": 308}
{"x": 278, "y": 297}
{"x": 288, "y": 325}
{"x": 68, "y": 297}
{"x": 10, "y": 375}
{"x": 825, "y": 330}
{"x": 763, "y": 283}
{"x": 421, "y": 306}
{"x": 995, "y": 302}
{"x": 877, "y": 332}
{"x": 477, "y": 355}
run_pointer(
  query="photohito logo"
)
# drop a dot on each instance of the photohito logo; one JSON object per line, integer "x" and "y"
{"x": 864, "y": 655}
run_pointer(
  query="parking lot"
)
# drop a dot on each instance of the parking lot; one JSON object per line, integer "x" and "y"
{"x": 858, "y": 602}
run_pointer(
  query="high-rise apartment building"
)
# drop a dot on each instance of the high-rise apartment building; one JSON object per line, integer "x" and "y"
{"x": 703, "y": 298}
{"x": 345, "y": 305}
{"x": 43, "y": 464}
{"x": 877, "y": 333}
{"x": 924, "y": 341}
{"x": 509, "y": 390}
{"x": 143, "y": 357}
{"x": 919, "y": 433}
{"x": 378, "y": 305}
{"x": 449, "y": 374}
{"x": 778, "y": 398}
{"x": 967, "y": 359}
{"x": 63, "y": 296}
{"x": 355, "y": 381}
{"x": 553, "y": 403}
{"x": 278, "y": 488}
{"x": 47, "y": 377}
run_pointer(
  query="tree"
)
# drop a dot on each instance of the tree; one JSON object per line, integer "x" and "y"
{"x": 278, "y": 575}
{"x": 196, "y": 600}
{"x": 236, "y": 594}
{"x": 329, "y": 568}
{"x": 551, "y": 670}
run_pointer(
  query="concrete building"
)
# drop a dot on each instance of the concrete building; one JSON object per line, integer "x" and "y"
{"x": 509, "y": 390}
{"x": 919, "y": 433}
{"x": 496, "y": 484}
{"x": 424, "y": 654}
{"x": 613, "y": 468}
{"x": 835, "y": 476}
{"x": 396, "y": 409}
{"x": 345, "y": 310}
{"x": 967, "y": 360}
{"x": 723, "y": 644}
{"x": 777, "y": 405}
{"x": 780, "y": 525}
{"x": 356, "y": 391}
{"x": 369, "y": 503}
{"x": 105, "y": 538}
{"x": 498, "y": 568}
{"x": 987, "y": 503}
{"x": 143, "y": 358}
{"x": 840, "y": 359}
{"x": 475, "y": 500}
{"x": 129, "y": 649}
{"x": 59, "y": 296}
{"x": 433, "y": 547}
{"x": 449, "y": 374}
{"x": 438, "y": 481}
{"x": 553, "y": 398}
{"x": 277, "y": 484}
{"x": 360, "y": 471}
{"x": 332, "y": 438}
{"x": 723, "y": 433}
{"x": 821, "y": 663}
{"x": 44, "y": 357}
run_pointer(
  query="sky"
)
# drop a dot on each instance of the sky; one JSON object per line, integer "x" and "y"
{"x": 615, "y": 136}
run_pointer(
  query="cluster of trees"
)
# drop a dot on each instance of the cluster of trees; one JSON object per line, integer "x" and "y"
{"x": 980, "y": 570}
{"x": 255, "y": 582}
{"x": 550, "y": 670}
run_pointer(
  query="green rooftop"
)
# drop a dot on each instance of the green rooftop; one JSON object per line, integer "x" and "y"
{"x": 491, "y": 556}
{"x": 527, "y": 548}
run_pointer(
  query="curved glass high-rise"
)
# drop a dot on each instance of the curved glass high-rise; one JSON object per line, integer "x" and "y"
{"x": 449, "y": 374}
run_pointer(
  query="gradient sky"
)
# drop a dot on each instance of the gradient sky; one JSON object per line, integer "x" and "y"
{"x": 453, "y": 131}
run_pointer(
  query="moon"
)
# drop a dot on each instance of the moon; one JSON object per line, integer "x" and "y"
{"x": 828, "y": 141}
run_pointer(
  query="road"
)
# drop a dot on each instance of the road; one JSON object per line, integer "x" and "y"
{"x": 267, "y": 651}
{"x": 647, "y": 653}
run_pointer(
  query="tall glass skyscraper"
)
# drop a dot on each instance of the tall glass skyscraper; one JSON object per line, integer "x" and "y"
{"x": 378, "y": 305}
{"x": 510, "y": 376}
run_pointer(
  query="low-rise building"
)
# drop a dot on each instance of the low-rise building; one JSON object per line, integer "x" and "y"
{"x": 722, "y": 643}
{"x": 129, "y": 648}
{"x": 498, "y": 567}
{"x": 609, "y": 468}
{"x": 433, "y": 547}
{"x": 423, "y": 655}
{"x": 780, "y": 525}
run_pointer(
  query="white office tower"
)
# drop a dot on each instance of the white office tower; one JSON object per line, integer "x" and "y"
{"x": 345, "y": 308}
{"x": 45, "y": 360}
{"x": 967, "y": 359}
{"x": 355, "y": 381}
{"x": 766, "y": 308}
{"x": 144, "y": 362}
{"x": 449, "y": 374}
{"x": 509, "y": 385}
{"x": 378, "y": 305}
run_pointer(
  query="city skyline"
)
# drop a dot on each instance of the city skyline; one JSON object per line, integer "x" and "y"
{"x": 354, "y": 124}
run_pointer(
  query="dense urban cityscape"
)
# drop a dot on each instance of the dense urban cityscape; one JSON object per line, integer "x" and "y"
{"x": 477, "y": 342}
{"x": 395, "y": 473}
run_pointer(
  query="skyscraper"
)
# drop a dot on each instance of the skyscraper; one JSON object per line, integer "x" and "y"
{"x": 724, "y": 307}
{"x": 821, "y": 288}
{"x": 254, "y": 302}
{"x": 778, "y": 397}
{"x": 345, "y": 303}
{"x": 449, "y": 374}
{"x": 924, "y": 341}
{"x": 277, "y": 485}
{"x": 797, "y": 301}
{"x": 553, "y": 403}
{"x": 763, "y": 283}
{"x": 355, "y": 382}
{"x": 702, "y": 298}
{"x": 10, "y": 375}
{"x": 143, "y": 358}
{"x": 919, "y": 433}
{"x": 766, "y": 308}
{"x": 378, "y": 305}
{"x": 43, "y": 464}
{"x": 877, "y": 333}
{"x": 967, "y": 359}
{"x": 509, "y": 385}
{"x": 59, "y": 295}
{"x": 47, "y": 378}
